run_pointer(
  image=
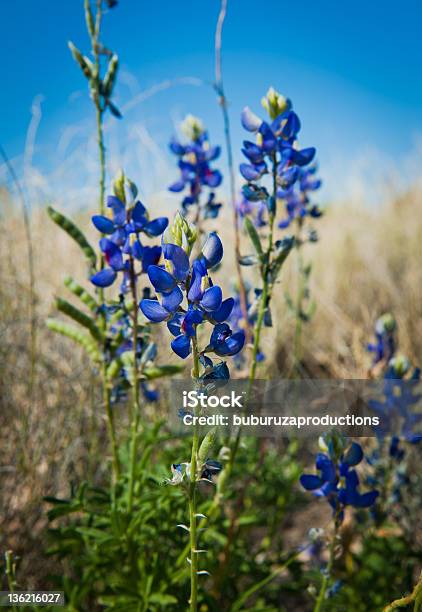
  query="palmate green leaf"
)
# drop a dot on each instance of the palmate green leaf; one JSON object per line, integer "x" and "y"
{"x": 77, "y": 336}
{"x": 253, "y": 235}
{"x": 81, "y": 293}
{"x": 153, "y": 372}
{"x": 74, "y": 232}
{"x": 80, "y": 317}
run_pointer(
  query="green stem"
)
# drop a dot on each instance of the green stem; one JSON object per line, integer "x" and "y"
{"x": 266, "y": 293}
{"x": 110, "y": 426}
{"x": 415, "y": 596}
{"x": 135, "y": 389}
{"x": 101, "y": 152}
{"x": 193, "y": 602}
{"x": 219, "y": 87}
{"x": 10, "y": 574}
{"x": 327, "y": 574}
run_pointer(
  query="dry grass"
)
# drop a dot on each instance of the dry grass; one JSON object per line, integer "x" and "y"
{"x": 367, "y": 262}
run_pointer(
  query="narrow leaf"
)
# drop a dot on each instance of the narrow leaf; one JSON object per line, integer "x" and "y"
{"x": 253, "y": 235}
{"x": 206, "y": 446}
{"x": 74, "y": 232}
{"x": 84, "y": 63}
{"x": 159, "y": 371}
{"x": 81, "y": 293}
{"x": 77, "y": 336}
{"x": 80, "y": 317}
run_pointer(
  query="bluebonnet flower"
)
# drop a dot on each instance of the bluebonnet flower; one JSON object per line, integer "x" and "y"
{"x": 398, "y": 417}
{"x": 384, "y": 346}
{"x": 181, "y": 472}
{"x": 237, "y": 322}
{"x": 119, "y": 352}
{"x": 297, "y": 197}
{"x": 336, "y": 480}
{"x": 276, "y": 144}
{"x": 196, "y": 173}
{"x": 122, "y": 236}
{"x": 254, "y": 210}
{"x": 180, "y": 279}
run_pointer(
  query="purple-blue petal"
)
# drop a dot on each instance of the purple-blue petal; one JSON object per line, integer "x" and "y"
{"x": 161, "y": 279}
{"x": 119, "y": 209}
{"x": 177, "y": 186}
{"x": 104, "y": 278}
{"x": 249, "y": 172}
{"x": 310, "y": 482}
{"x": 250, "y": 121}
{"x": 212, "y": 250}
{"x": 156, "y": 227}
{"x": 139, "y": 213}
{"x": 354, "y": 454}
{"x": 153, "y": 310}
{"x": 212, "y": 299}
{"x": 171, "y": 301}
{"x": 103, "y": 224}
{"x": 224, "y": 311}
{"x": 181, "y": 346}
{"x": 175, "y": 323}
{"x": 179, "y": 260}
{"x": 150, "y": 256}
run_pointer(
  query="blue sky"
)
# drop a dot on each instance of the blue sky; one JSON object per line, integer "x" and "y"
{"x": 353, "y": 71}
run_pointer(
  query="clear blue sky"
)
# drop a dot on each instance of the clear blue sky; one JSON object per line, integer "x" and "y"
{"x": 353, "y": 69}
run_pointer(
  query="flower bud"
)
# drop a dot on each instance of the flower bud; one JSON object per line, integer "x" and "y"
{"x": 385, "y": 324}
{"x": 400, "y": 364}
{"x": 192, "y": 127}
{"x": 181, "y": 233}
{"x": 119, "y": 186}
{"x": 274, "y": 103}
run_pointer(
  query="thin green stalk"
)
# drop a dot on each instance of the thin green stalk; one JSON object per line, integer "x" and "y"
{"x": 10, "y": 574}
{"x": 327, "y": 574}
{"x": 101, "y": 151}
{"x": 96, "y": 82}
{"x": 110, "y": 426}
{"x": 265, "y": 295}
{"x": 193, "y": 601}
{"x": 99, "y": 111}
{"x": 135, "y": 389}
{"x": 219, "y": 87}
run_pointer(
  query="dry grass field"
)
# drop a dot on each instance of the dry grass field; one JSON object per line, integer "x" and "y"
{"x": 52, "y": 432}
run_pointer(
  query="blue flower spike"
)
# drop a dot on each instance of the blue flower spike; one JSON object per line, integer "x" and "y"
{"x": 122, "y": 232}
{"x": 336, "y": 480}
{"x": 187, "y": 296}
{"x": 197, "y": 177}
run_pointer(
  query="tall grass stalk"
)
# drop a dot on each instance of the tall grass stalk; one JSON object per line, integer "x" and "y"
{"x": 222, "y": 100}
{"x": 96, "y": 82}
{"x": 300, "y": 295}
{"x": 264, "y": 298}
{"x": 31, "y": 272}
{"x": 94, "y": 31}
